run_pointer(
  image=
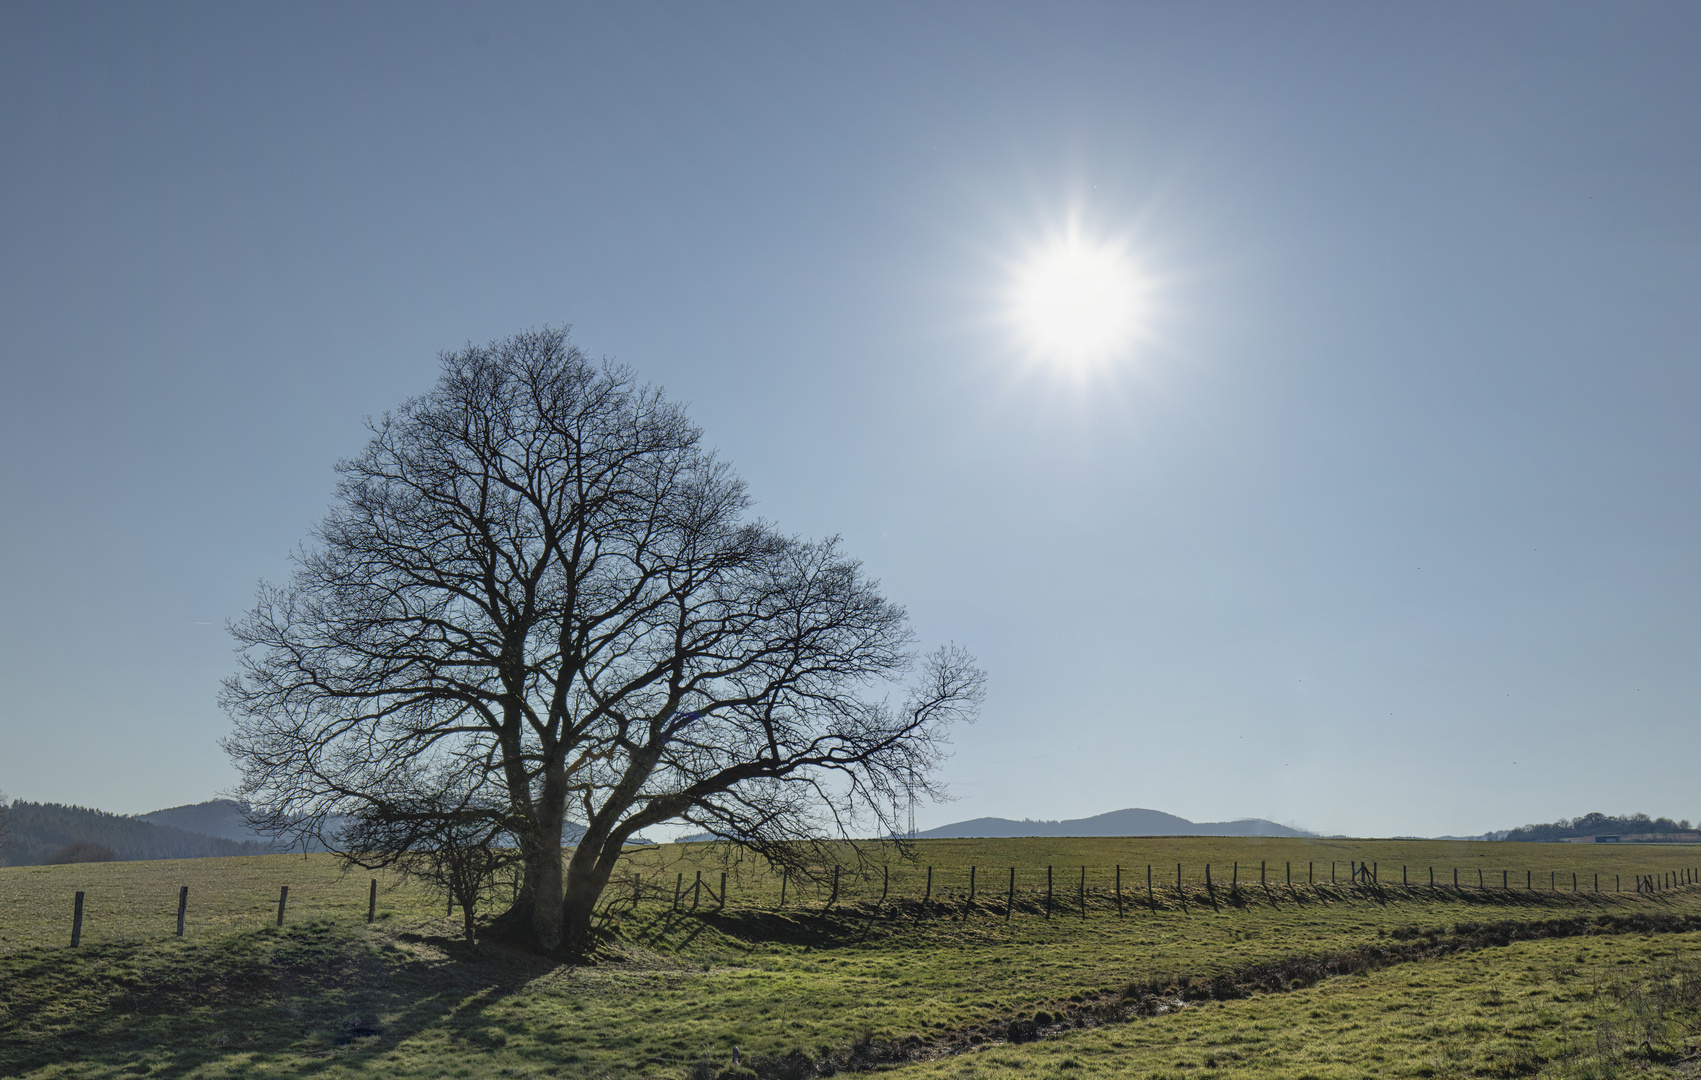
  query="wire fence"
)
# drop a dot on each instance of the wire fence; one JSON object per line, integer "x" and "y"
{"x": 1085, "y": 889}
{"x": 1081, "y": 890}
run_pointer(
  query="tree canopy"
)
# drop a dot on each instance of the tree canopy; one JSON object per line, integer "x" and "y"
{"x": 537, "y": 581}
{"x": 1597, "y": 824}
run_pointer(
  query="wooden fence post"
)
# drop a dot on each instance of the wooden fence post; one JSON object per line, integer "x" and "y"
{"x": 1179, "y": 890}
{"x": 1432, "y": 877}
{"x": 1048, "y": 892}
{"x": 372, "y": 901}
{"x": 1573, "y": 881}
{"x": 283, "y": 898}
{"x": 1503, "y": 879}
{"x": 697, "y": 890}
{"x": 77, "y": 922}
{"x": 971, "y": 886}
{"x": 1455, "y": 877}
{"x": 1311, "y": 873}
{"x": 1211, "y": 890}
{"x": 1261, "y": 865}
{"x": 721, "y": 903}
{"x": 1083, "y": 892}
{"x": 833, "y": 899}
{"x": 678, "y": 887}
{"x": 1480, "y": 885}
{"x": 182, "y": 908}
{"x": 929, "y": 895}
{"x": 785, "y": 879}
{"x": 1010, "y": 900}
{"x": 885, "y": 882}
{"x": 1403, "y": 880}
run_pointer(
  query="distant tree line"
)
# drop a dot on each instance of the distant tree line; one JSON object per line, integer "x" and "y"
{"x": 35, "y": 833}
{"x": 1597, "y": 825}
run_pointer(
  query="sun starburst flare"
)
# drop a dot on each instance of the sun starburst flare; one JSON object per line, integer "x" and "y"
{"x": 1078, "y": 302}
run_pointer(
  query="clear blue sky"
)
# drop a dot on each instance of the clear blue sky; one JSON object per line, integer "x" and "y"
{"x": 1389, "y": 524}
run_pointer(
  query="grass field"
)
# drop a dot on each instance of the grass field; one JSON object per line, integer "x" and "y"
{"x": 329, "y": 996}
{"x": 1598, "y": 1006}
{"x": 1317, "y": 862}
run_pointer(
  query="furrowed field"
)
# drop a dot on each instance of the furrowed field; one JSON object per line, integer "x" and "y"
{"x": 1314, "y": 979}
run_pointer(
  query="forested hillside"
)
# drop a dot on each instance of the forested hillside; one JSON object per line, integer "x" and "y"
{"x": 216, "y": 817}
{"x": 40, "y": 830}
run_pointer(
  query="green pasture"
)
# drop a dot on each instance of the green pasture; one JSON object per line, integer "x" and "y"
{"x": 328, "y": 995}
{"x": 138, "y": 900}
{"x": 1592, "y": 1007}
{"x": 126, "y": 901}
{"x": 872, "y": 871}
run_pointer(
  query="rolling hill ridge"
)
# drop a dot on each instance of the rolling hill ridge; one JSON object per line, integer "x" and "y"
{"x": 1131, "y": 822}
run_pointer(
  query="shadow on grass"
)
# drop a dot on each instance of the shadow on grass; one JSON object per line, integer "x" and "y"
{"x": 848, "y": 925}
{"x": 296, "y": 1000}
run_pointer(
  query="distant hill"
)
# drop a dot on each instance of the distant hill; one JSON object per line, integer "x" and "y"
{"x": 224, "y": 818}
{"x": 1132, "y": 822}
{"x": 193, "y": 831}
{"x": 41, "y": 829}
{"x": 217, "y": 817}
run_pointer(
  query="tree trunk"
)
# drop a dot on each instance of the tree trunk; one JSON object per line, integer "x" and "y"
{"x": 534, "y": 919}
{"x": 587, "y": 877}
{"x": 544, "y": 870}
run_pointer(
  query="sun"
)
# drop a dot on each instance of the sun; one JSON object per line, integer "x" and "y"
{"x": 1077, "y": 301}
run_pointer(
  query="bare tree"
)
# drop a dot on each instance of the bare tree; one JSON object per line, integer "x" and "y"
{"x": 535, "y": 574}
{"x": 443, "y": 830}
{"x": 5, "y": 826}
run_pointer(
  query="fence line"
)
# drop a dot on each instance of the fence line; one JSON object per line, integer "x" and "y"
{"x": 1362, "y": 878}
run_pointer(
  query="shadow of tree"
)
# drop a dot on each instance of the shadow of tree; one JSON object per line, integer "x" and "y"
{"x": 312, "y": 995}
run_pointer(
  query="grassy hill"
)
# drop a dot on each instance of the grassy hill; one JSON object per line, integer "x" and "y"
{"x": 1313, "y": 980}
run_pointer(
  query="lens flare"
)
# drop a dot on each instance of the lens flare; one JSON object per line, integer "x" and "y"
{"x": 1076, "y": 301}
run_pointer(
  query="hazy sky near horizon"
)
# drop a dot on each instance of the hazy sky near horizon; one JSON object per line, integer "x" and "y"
{"x": 1387, "y": 524}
